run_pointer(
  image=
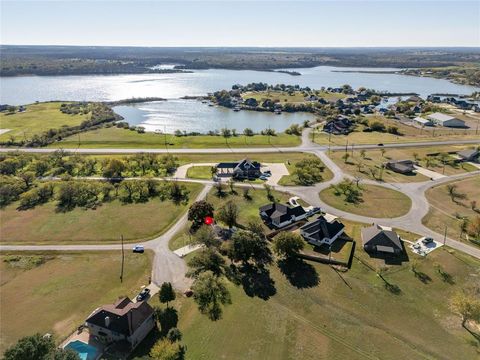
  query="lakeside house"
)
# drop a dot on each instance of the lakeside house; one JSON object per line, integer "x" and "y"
{"x": 244, "y": 169}
{"x": 381, "y": 240}
{"x": 339, "y": 126}
{"x": 324, "y": 230}
{"x": 446, "y": 120}
{"x": 401, "y": 166}
{"x": 280, "y": 215}
{"x": 123, "y": 323}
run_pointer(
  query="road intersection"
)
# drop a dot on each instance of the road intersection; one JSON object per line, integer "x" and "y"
{"x": 169, "y": 267}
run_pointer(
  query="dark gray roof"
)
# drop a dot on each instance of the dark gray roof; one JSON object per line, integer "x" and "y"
{"x": 227, "y": 165}
{"x": 376, "y": 236}
{"x": 321, "y": 228}
{"x": 401, "y": 165}
{"x": 281, "y": 212}
{"x": 125, "y": 316}
{"x": 468, "y": 154}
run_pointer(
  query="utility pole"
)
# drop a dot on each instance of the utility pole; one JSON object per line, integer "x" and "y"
{"x": 476, "y": 130}
{"x": 123, "y": 261}
{"x": 346, "y": 146}
{"x": 352, "y": 149}
{"x": 445, "y": 235}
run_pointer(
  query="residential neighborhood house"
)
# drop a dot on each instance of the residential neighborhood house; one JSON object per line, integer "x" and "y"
{"x": 472, "y": 155}
{"x": 245, "y": 169}
{"x": 324, "y": 230}
{"x": 401, "y": 166}
{"x": 378, "y": 239}
{"x": 122, "y": 322}
{"x": 280, "y": 215}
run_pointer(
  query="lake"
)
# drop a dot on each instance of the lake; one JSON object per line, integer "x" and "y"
{"x": 28, "y": 89}
{"x": 192, "y": 115}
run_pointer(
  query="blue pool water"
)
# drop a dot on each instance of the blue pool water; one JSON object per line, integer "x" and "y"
{"x": 85, "y": 351}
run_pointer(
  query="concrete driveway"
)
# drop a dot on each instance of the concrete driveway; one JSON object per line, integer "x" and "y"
{"x": 428, "y": 173}
{"x": 278, "y": 170}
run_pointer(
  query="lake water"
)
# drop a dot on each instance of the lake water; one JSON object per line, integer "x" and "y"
{"x": 28, "y": 89}
{"x": 192, "y": 115}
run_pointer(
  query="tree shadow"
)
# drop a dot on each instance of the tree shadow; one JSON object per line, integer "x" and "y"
{"x": 299, "y": 273}
{"x": 256, "y": 282}
{"x": 168, "y": 318}
{"x": 420, "y": 275}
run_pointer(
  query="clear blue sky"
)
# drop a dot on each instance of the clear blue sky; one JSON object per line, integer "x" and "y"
{"x": 241, "y": 23}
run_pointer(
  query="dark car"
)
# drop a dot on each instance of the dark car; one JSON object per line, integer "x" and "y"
{"x": 381, "y": 144}
{"x": 143, "y": 294}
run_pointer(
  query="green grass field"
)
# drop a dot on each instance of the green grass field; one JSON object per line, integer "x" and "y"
{"x": 285, "y": 97}
{"x": 43, "y": 224}
{"x": 377, "y": 202}
{"x": 35, "y": 120}
{"x": 444, "y": 213}
{"x": 113, "y": 137}
{"x": 57, "y": 296}
{"x": 200, "y": 172}
{"x": 409, "y": 134}
{"x": 290, "y": 180}
{"x": 346, "y": 316}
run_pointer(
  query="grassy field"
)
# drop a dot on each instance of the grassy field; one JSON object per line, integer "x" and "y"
{"x": 346, "y": 316}
{"x": 35, "y": 120}
{"x": 377, "y": 202}
{"x": 200, "y": 172}
{"x": 58, "y": 295}
{"x": 289, "y": 180}
{"x": 43, "y": 224}
{"x": 375, "y": 159}
{"x": 285, "y": 97}
{"x": 113, "y": 137}
{"x": 445, "y": 213}
{"x": 409, "y": 134}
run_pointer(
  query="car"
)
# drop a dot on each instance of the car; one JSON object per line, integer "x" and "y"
{"x": 267, "y": 174}
{"x": 143, "y": 294}
{"x": 427, "y": 240}
{"x": 381, "y": 144}
{"x": 138, "y": 249}
{"x": 263, "y": 177}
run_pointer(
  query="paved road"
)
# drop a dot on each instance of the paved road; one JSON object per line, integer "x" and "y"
{"x": 307, "y": 146}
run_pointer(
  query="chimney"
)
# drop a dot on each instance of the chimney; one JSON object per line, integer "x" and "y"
{"x": 107, "y": 321}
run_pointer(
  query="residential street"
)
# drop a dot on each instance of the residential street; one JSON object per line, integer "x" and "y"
{"x": 167, "y": 266}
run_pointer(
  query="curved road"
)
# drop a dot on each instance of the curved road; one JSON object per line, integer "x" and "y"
{"x": 169, "y": 267}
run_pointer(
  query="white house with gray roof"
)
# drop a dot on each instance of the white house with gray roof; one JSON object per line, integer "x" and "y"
{"x": 445, "y": 120}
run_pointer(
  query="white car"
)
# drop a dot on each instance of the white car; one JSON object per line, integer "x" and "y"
{"x": 138, "y": 249}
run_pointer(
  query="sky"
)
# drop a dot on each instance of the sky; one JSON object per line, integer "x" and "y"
{"x": 241, "y": 23}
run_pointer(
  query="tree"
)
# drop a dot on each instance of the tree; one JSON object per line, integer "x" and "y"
{"x": 114, "y": 168}
{"x": 206, "y": 236}
{"x": 174, "y": 334}
{"x": 454, "y": 194}
{"x": 208, "y": 259}
{"x": 268, "y": 189}
{"x": 345, "y": 157}
{"x": 467, "y": 303}
{"x": 166, "y": 293}
{"x": 363, "y": 154}
{"x": 383, "y": 151}
{"x": 287, "y": 244}
{"x": 210, "y": 293}
{"x": 164, "y": 349}
{"x": 248, "y": 132}
{"x": 198, "y": 212}
{"x": 228, "y": 214}
{"x": 38, "y": 347}
{"x": 247, "y": 245}
{"x": 474, "y": 227}
{"x": 28, "y": 177}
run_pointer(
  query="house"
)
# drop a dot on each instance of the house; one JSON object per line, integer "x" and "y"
{"x": 401, "y": 166}
{"x": 423, "y": 122}
{"x": 245, "y": 169}
{"x": 123, "y": 321}
{"x": 340, "y": 125}
{"x": 377, "y": 239}
{"x": 324, "y": 230}
{"x": 280, "y": 215}
{"x": 469, "y": 155}
{"x": 434, "y": 99}
{"x": 446, "y": 120}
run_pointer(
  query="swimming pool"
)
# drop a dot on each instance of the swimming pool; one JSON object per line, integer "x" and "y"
{"x": 85, "y": 351}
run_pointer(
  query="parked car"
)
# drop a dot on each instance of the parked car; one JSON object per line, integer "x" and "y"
{"x": 263, "y": 177}
{"x": 427, "y": 240}
{"x": 267, "y": 174}
{"x": 381, "y": 144}
{"x": 143, "y": 294}
{"x": 138, "y": 249}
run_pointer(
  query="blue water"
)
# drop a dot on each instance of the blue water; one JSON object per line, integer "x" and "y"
{"x": 85, "y": 351}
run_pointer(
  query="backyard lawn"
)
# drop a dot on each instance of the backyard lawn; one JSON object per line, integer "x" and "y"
{"x": 345, "y": 316}
{"x": 358, "y": 165}
{"x": 114, "y": 137}
{"x": 409, "y": 134}
{"x": 200, "y": 172}
{"x": 35, "y": 120}
{"x": 57, "y": 295}
{"x": 376, "y": 202}
{"x": 43, "y": 224}
{"x": 445, "y": 213}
